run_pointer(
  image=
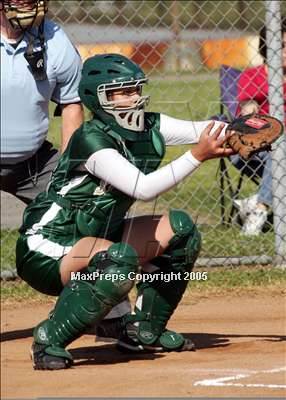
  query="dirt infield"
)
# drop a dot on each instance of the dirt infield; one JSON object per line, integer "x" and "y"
{"x": 240, "y": 352}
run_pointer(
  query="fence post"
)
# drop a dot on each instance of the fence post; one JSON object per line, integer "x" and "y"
{"x": 276, "y": 102}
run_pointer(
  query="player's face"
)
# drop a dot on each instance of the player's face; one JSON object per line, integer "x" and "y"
{"x": 125, "y": 97}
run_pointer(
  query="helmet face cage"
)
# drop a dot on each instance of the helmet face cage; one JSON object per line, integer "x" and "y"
{"x": 24, "y": 15}
{"x": 129, "y": 117}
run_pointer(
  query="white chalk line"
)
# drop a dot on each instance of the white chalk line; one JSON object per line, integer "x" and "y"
{"x": 223, "y": 370}
{"x": 224, "y": 381}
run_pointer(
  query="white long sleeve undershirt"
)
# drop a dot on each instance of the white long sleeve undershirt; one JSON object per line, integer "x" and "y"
{"x": 179, "y": 131}
{"x": 114, "y": 169}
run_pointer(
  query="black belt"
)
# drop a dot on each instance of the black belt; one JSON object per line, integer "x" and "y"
{"x": 45, "y": 146}
{"x": 11, "y": 166}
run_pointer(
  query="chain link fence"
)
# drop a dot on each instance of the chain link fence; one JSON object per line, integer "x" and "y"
{"x": 182, "y": 46}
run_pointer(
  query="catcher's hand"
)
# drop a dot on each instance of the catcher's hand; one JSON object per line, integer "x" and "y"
{"x": 253, "y": 133}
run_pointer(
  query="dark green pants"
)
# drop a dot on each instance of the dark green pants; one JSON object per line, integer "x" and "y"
{"x": 42, "y": 272}
{"x": 39, "y": 271}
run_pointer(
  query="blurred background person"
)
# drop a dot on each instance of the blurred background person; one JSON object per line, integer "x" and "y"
{"x": 38, "y": 64}
{"x": 253, "y": 98}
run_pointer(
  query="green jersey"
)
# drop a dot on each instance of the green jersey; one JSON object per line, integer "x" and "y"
{"x": 78, "y": 204}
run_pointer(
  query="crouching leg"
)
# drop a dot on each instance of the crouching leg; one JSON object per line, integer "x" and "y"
{"x": 83, "y": 303}
{"x": 157, "y": 299}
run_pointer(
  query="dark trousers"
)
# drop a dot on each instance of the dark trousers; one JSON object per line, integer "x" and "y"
{"x": 28, "y": 178}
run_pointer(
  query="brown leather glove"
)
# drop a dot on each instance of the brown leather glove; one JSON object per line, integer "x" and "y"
{"x": 253, "y": 133}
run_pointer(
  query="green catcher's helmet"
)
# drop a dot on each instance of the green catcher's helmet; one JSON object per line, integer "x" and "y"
{"x": 107, "y": 72}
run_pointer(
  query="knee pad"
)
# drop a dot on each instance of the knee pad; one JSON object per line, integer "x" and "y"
{"x": 185, "y": 245}
{"x": 114, "y": 267}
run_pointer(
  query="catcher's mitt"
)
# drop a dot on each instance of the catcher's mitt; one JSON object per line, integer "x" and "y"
{"x": 253, "y": 133}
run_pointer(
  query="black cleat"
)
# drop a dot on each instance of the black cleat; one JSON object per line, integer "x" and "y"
{"x": 128, "y": 341}
{"x": 109, "y": 330}
{"x": 43, "y": 361}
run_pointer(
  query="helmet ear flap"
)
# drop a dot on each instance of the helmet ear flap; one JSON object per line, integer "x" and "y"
{"x": 87, "y": 95}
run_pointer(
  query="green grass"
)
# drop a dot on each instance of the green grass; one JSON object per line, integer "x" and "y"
{"x": 219, "y": 281}
{"x": 224, "y": 241}
{"x": 196, "y": 99}
{"x": 217, "y": 241}
{"x": 8, "y": 243}
{"x": 20, "y": 291}
{"x": 199, "y": 194}
{"x": 242, "y": 277}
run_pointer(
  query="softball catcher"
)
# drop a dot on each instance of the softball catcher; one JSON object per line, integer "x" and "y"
{"x": 79, "y": 227}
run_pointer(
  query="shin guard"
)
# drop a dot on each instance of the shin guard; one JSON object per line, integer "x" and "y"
{"x": 157, "y": 300}
{"x": 83, "y": 303}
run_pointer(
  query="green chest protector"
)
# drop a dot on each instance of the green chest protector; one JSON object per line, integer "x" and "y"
{"x": 100, "y": 208}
